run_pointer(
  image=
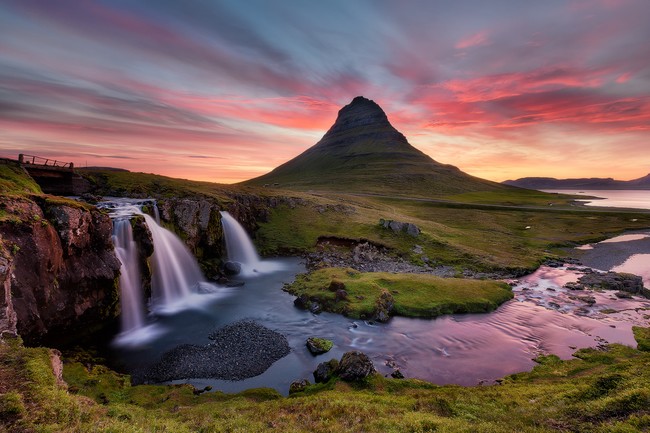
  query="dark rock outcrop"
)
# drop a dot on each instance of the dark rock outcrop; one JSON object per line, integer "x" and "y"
{"x": 355, "y": 366}
{"x": 398, "y": 227}
{"x": 62, "y": 269}
{"x": 325, "y": 370}
{"x": 618, "y": 281}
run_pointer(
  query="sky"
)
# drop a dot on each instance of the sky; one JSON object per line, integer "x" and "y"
{"x": 224, "y": 91}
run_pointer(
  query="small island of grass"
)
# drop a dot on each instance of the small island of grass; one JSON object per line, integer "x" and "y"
{"x": 379, "y": 295}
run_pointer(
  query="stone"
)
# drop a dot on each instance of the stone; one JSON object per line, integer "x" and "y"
{"x": 325, "y": 371}
{"x": 336, "y": 285}
{"x": 298, "y": 386}
{"x": 618, "y": 281}
{"x": 231, "y": 268}
{"x": 318, "y": 346}
{"x": 384, "y": 307}
{"x": 397, "y": 374}
{"x": 398, "y": 227}
{"x": 341, "y": 295}
{"x": 355, "y": 366}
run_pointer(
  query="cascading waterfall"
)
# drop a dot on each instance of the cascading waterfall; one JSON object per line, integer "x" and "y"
{"x": 240, "y": 248}
{"x": 131, "y": 300}
{"x": 175, "y": 272}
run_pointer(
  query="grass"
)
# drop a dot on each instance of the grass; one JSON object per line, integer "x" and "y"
{"x": 599, "y": 391}
{"x": 462, "y": 235}
{"x": 412, "y": 295}
{"x": 15, "y": 181}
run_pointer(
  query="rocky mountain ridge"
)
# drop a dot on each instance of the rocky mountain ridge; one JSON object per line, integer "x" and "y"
{"x": 579, "y": 183}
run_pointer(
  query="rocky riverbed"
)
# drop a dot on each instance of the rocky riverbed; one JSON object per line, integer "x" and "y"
{"x": 238, "y": 351}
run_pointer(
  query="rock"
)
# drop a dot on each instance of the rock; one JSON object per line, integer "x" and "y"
{"x": 384, "y": 307}
{"x": 618, "y": 281}
{"x": 336, "y": 285}
{"x": 231, "y": 268}
{"x": 397, "y": 374}
{"x": 315, "y": 307}
{"x": 298, "y": 386}
{"x": 574, "y": 286}
{"x": 325, "y": 370}
{"x": 587, "y": 299}
{"x": 341, "y": 295}
{"x": 355, "y": 366}
{"x": 318, "y": 346}
{"x": 63, "y": 282}
{"x": 623, "y": 295}
{"x": 398, "y": 226}
{"x": 302, "y": 302}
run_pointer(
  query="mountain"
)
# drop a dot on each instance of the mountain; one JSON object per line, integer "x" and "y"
{"x": 362, "y": 152}
{"x": 581, "y": 183}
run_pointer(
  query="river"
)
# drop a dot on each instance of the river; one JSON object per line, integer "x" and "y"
{"x": 466, "y": 349}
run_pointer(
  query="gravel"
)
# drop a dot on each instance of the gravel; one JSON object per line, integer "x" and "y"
{"x": 240, "y": 350}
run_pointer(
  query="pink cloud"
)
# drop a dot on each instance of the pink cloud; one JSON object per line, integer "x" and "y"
{"x": 474, "y": 40}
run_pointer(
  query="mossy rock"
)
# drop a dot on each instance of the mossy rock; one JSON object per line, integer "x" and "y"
{"x": 318, "y": 346}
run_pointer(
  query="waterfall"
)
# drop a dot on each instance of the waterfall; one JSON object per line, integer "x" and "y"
{"x": 176, "y": 276}
{"x": 131, "y": 300}
{"x": 175, "y": 272}
{"x": 240, "y": 248}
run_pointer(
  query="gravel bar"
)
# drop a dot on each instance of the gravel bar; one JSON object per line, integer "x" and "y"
{"x": 240, "y": 350}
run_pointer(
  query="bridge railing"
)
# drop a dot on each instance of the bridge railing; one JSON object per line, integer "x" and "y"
{"x": 37, "y": 160}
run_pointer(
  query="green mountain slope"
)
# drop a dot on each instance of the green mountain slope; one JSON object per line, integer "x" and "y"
{"x": 362, "y": 152}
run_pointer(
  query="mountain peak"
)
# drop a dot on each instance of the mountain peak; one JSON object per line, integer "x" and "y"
{"x": 360, "y": 112}
{"x": 362, "y": 152}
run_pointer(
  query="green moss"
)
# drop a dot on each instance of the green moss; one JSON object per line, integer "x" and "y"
{"x": 14, "y": 180}
{"x": 412, "y": 295}
{"x": 320, "y": 345}
{"x": 642, "y": 337}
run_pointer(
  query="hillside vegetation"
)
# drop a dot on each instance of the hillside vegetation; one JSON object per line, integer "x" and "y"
{"x": 605, "y": 390}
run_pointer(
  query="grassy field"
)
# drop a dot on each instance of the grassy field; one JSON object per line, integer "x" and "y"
{"x": 464, "y": 235}
{"x": 600, "y": 391}
{"x": 412, "y": 295}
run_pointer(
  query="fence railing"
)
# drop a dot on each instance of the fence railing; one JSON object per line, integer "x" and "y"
{"x": 37, "y": 160}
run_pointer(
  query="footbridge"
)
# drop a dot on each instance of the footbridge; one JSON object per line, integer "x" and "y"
{"x": 54, "y": 177}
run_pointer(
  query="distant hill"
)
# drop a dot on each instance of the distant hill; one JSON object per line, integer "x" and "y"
{"x": 363, "y": 152}
{"x": 583, "y": 183}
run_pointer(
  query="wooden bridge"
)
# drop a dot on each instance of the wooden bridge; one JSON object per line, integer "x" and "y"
{"x": 54, "y": 177}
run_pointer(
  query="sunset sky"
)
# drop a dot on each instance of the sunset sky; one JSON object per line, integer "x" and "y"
{"x": 227, "y": 90}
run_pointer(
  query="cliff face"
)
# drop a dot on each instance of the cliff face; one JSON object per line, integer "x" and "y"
{"x": 59, "y": 275}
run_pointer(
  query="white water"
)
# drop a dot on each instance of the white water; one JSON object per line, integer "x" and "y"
{"x": 175, "y": 272}
{"x": 131, "y": 301}
{"x": 176, "y": 277}
{"x": 240, "y": 248}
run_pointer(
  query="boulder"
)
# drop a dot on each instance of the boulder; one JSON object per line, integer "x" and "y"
{"x": 325, "y": 370}
{"x": 298, "y": 385}
{"x": 231, "y": 268}
{"x": 341, "y": 295}
{"x": 354, "y": 366}
{"x": 398, "y": 226}
{"x": 384, "y": 307}
{"x": 318, "y": 346}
